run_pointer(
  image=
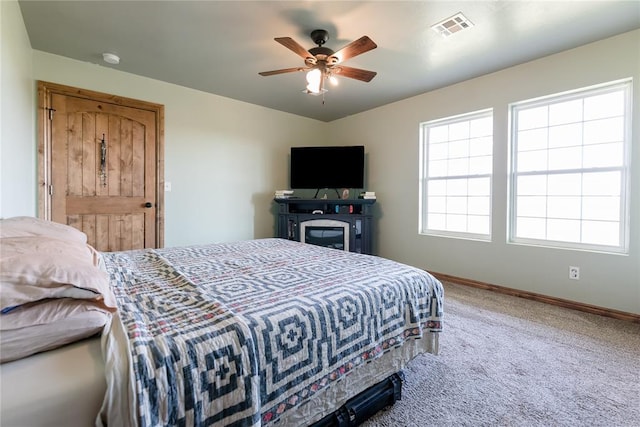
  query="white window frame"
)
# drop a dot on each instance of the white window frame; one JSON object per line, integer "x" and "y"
{"x": 624, "y": 210}
{"x": 425, "y": 179}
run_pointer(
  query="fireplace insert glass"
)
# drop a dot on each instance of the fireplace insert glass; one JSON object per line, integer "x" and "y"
{"x": 326, "y": 232}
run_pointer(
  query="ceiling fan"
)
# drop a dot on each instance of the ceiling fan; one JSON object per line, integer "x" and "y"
{"x": 322, "y": 63}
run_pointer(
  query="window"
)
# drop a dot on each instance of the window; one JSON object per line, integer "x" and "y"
{"x": 456, "y": 162}
{"x": 570, "y": 169}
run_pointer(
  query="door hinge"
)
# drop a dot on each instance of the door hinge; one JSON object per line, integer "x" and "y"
{"x": 50, "y": 110}
{"x": 51, "y": 190}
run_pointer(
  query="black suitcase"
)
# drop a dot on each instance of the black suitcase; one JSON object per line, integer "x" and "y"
{"x": 366, "y": 404}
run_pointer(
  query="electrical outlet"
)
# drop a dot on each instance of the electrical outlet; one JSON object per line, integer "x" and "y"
{"x": 574, "y": 273}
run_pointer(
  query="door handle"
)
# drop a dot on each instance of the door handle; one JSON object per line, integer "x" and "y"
{"x": 148, "y": 205}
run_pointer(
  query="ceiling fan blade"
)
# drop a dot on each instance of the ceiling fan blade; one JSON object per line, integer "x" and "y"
{"x": 362, "y": 45}
{"x": 354, "y": 73}
{"x": 293, "y": 45}
{"x": 282, "y": 71}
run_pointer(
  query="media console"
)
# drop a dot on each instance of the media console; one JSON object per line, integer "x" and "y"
{"x": 342, "y": 223}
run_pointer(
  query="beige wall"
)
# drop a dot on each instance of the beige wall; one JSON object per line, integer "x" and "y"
{"x": 17, "y": 115}
{"x": 391, "y": 137}
{"x": 225, "y": 158}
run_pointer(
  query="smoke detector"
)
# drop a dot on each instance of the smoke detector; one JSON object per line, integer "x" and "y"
{"x": 111, "y": 58}
{"x": 453, "y": 24}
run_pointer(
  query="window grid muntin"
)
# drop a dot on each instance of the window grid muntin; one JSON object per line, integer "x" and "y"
{"x": 473, "y": 153}
{"x": 623, "y": 87}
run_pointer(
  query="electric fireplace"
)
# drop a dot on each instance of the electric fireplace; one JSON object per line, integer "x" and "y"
{"x": 325, "y": 232}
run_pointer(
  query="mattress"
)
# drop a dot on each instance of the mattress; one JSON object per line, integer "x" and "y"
{"x": 61, "y": 387}
{"x": 68, "y": 385}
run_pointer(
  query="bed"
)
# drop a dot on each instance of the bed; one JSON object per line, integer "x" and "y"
{"x": 260, "y": 332}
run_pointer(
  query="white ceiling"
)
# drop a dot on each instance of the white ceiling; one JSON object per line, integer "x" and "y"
{"x": 220, "y": 46}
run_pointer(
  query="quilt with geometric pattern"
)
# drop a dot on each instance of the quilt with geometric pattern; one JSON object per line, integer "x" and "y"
{"x": 240, "y": 333}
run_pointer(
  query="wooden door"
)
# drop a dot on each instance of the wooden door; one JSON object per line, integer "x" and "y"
{"x": 103, "y": 169}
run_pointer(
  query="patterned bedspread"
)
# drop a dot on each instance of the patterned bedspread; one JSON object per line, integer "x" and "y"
{"x": 240, "y": 333}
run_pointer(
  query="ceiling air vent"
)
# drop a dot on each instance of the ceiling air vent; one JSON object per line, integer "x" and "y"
{"x": 453, "y": 24}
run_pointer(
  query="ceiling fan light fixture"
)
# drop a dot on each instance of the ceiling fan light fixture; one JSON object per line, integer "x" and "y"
{"x": 321, "y": 63}
{"x": 314, "y": 78}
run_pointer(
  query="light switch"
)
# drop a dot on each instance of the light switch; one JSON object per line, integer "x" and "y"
{"x": 167, "y": 186}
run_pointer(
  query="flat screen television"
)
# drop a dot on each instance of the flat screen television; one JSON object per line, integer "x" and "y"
{"x": 327, "y": 167}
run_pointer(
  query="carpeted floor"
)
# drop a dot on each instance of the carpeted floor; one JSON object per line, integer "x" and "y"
{"x": 507, "y": 361}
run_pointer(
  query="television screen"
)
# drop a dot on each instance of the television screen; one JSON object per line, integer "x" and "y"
{"x": 327, "y": 167}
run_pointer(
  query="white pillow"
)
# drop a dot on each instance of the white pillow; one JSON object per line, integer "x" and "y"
{"x": 22, "y": 342}
{"x": 48, "y": 312}
{"x": 21, "y": 226}
{"x": 34, "y": 268}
